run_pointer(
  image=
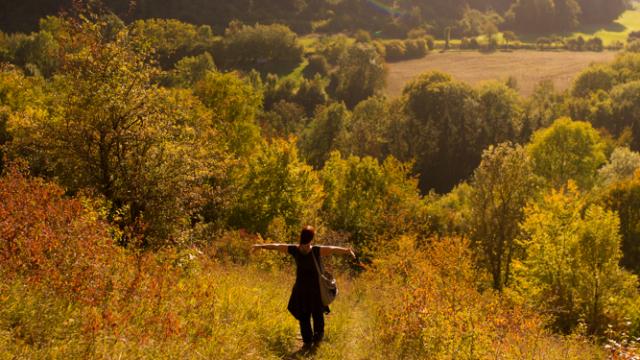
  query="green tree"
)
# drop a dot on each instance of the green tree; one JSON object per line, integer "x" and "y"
{"x": 598, "y": 77}
{"x": 502, "y": 185}
{"x": 500, "y": 111}
{"x": 367, "y": 132}
{"x": 567, "y": 150}
{"x": 623, "y": 197}
{"x": 326, "y": 132}
{"x": 571, "y": 269}
{"x": 361, "y": 74}
{"x": 622, "y": 165}
{"x": 371, "y": 201}
{"x": 626, "y": 111}
{"x": 107, "y": 127}
{"x": 234, "y": 104}
{"x": 265, "y": 48}
{"x": 441, "y": 130}
{"x": 191, "y": 69}
{"x": 277, "y": 185}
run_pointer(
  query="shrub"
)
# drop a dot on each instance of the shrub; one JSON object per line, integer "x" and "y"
{"x": 431, "y": 42}
{"x": 53, "y": 242}
{"x": 594, "y": 44}
{"x": 395, "y": 50}
{"x": 317, "y": 65}
{"x": 633, "y": 46}
{"x": 416, "y": 48}
{"x": 362, "y": 36}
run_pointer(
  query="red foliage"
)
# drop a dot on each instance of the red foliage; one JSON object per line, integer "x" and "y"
{"x": 53, "y": 240}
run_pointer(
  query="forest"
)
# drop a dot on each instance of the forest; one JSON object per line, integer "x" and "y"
{"x": 141, "y": 158}
{"x": 386, "y": 17}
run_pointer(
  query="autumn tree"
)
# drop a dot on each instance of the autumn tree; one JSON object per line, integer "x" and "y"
{"x": 107, "y": 127}
{"x": 502, "y": 185}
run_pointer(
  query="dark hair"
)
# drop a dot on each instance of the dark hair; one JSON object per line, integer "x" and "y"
{"x": 307, "y": 235}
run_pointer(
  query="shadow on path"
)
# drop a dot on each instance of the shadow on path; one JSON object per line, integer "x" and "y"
{"x": 304, "y": 352}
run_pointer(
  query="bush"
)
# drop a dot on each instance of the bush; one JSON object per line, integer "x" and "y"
{"x": 594, "y": 44}
{"x": 633, "y": 46}
{"x": 441, "y": 312}
{"x": 53, "y": 242}
{"x": 415, "y": 48}
{"x": 431, "y": 42}
{"x": 317, "y": 65}
{"x": 395, "y": 50}
{"x": 362, "y": 36}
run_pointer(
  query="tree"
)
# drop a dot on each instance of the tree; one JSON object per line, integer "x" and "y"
{"x": 571, "y": 268}
{"x": 509, "y": 37}
{"x": 191, "y": 69}
{"x": 500, "y": 112}
{"x": 105, "y": 126}
{"x": 441, "y": 130}
{"x": 360, "y": 75}
{"x": 597, "y": 77}
{"x": 325, "y": 133}
{"x": 626, "y": 111}
{"x": 369, "y": 200}
{"x": 623, "y": 197}
{"x": 502, "y": 185}
{"x": 622, "y": 165}
{"x": 234, "y": 104}
{"x": 367, "y": 132}
{"x": 277, "y": 185}
{"x": 265, "y": 48}
{"x": 568, "y": 150}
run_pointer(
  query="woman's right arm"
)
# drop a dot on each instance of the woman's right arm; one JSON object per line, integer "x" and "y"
{"x": 279, "y": 247}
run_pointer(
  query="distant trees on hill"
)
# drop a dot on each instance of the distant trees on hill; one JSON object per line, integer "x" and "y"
{"x": 383, "y": 18}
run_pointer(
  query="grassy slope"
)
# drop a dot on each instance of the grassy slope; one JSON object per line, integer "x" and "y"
{"x": 218, "y": 312}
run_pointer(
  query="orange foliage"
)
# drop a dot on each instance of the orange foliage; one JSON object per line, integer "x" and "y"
{"x": 53, "y": 240}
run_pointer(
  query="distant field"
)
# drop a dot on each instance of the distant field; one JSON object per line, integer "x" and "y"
{"x": 528, "y": 67}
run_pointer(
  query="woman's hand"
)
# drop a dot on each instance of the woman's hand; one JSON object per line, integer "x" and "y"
{"x": 353, "y": 255}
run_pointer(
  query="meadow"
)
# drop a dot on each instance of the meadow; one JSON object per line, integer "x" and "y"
{"x": 526, "y": 66}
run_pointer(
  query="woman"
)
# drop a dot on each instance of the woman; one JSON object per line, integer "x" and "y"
{"x": 305, "y": 302}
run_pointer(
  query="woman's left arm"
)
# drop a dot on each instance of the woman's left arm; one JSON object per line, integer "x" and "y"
{"x": 330, "y": 250}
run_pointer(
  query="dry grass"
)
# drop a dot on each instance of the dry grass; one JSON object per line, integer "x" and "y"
{"x": 528, "y": 67}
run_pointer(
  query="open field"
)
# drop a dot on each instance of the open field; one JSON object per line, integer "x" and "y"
{"x": 528, "y": 67}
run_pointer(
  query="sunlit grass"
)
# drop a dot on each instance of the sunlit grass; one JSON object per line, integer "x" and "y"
{"x": 618, "y": 31}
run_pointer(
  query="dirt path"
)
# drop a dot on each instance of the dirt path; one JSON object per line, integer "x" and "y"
{"x": 528, "y": 67}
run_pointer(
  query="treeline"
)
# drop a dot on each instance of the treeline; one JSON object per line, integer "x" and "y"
{"x": 181, "y": 154}
{"x": 385, "y": 18}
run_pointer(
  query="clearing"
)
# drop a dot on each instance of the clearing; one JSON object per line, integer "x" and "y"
{"x": 527, "y": 66}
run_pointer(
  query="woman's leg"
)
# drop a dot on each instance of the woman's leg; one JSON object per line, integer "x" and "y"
{"x": 305, "y": 328}
{"x": 318, "y": 326}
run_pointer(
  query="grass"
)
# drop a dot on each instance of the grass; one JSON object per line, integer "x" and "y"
{"x": 528, "y": 67}
{"x": 617, "y": 31}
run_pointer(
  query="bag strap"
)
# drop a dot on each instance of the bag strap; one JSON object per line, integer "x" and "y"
{"x": 316, "y": 262}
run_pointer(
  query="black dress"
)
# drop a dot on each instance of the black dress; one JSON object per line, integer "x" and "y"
{"x": 305, "y": 296}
